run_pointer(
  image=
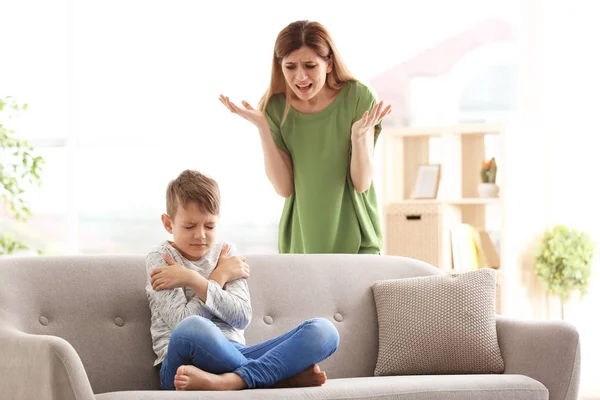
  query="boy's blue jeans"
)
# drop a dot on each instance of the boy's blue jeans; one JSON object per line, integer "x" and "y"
{"x": 197, "y": 341}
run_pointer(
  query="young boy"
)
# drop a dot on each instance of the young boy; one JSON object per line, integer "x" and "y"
{"x": 200, "y": 305}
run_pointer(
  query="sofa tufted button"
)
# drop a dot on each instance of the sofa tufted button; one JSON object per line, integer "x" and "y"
{"x": 268, "y": 320}
{"x": 338, "y": 317}
{"x": 119, "y": 321}
{"x": 43, "y": 320}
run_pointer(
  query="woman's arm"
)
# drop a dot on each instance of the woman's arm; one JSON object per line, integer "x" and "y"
{"x": 361, "y": 162}
{"x": 363, "y": 143}
{"x": 278, "y": 164}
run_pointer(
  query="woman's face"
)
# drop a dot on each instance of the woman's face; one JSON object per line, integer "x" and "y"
{"x": 305, "y": 72}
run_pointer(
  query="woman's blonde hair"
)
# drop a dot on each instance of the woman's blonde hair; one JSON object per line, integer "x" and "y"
{"x": 291, "y": 38}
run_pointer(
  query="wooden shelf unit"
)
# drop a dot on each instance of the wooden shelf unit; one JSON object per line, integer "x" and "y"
{"x": 460, "y": 150}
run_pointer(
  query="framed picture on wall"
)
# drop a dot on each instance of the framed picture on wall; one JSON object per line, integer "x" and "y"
{"x": 427, "y": 182}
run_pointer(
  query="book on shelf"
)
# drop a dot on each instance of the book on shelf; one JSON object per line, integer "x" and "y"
{"x": 472, "y": 248}
{"x": 464, "y": 250}
{"x": 488, "y": 254}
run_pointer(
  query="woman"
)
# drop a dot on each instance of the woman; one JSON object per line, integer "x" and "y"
{"x": 318, "y": 127}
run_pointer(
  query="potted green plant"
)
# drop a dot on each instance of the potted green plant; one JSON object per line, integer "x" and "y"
{"x": 18, "y": 165}
{"x": 563, "y": 261}
{"x": 487, "y": 187}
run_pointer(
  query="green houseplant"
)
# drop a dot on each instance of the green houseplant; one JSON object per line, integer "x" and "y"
{"x": 563, "y": 261}
{"x": 18, "y": 166}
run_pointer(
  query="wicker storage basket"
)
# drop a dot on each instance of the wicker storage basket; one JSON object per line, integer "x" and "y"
{"x": 421, "y": 231}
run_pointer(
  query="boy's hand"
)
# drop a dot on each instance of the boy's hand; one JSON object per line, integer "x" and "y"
{"x": 170, "y": 276}
{"x": 230, "y": 268}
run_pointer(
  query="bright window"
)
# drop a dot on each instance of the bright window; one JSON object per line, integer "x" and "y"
{"x": 123, "y": 95}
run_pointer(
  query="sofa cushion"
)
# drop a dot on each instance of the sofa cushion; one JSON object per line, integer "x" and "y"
{"x": 423, "y": 387}
{"x": 442, "y": 324}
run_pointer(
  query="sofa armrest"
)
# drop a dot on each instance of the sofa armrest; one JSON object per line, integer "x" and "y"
{"x": 547, "y": 351}
{"x": 40, "y": 367}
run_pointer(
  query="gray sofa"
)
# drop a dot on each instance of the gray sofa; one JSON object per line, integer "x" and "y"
{"x": 77, "y": 327}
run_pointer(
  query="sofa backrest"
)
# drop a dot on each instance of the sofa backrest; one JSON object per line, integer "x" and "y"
{"x": 98, "y": 304}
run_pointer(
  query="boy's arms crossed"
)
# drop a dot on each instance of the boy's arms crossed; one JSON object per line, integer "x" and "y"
{"x": 174, "y": 275}
{"x": 231, "y": 304}
{"x": 171, "y": 304}
{"x": 230, "y": 266}
{"x": 230, "y": 301}
{"x": 224, "y": 294}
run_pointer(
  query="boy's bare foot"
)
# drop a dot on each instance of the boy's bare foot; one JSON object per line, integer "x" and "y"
{"x": 189, "y": 377}
{"x": 312, "y": 376}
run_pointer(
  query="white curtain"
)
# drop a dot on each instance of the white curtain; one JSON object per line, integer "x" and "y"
{"x": 553, "y": 159}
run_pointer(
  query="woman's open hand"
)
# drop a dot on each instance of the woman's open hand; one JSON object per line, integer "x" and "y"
{"x": 369, "y": 120}
{"x": 248, "y": 112}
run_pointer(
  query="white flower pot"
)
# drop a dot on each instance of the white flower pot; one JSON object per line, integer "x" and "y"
{"x": 487, "y": 190}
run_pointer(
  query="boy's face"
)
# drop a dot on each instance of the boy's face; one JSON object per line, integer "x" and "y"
{"x": 193, "y": 230}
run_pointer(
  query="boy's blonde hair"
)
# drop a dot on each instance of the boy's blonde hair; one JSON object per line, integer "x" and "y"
{"x": 193, "y": 187}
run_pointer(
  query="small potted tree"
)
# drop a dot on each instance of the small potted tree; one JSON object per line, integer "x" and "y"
{"x": 563, "y": 261}
{"x": 487, "y": 187}
{"x": 19, "y": 166}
